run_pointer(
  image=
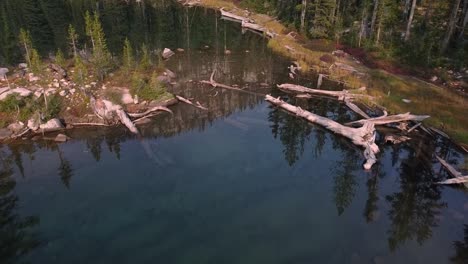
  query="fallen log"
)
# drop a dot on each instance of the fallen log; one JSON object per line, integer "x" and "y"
{"x": 233, "y": 16}
{"x": 342, "y": 95}
{"x": 149, "y": 111}
{"x": 187, "y": 101}
{"x": 356, "y": 109}
{"x": 459, "y": 178}
{"x": 383, "y": 120}
{"x": 215, "y": 84}
{"x": 363, "y": 136}
{"x": 258, "y": 28}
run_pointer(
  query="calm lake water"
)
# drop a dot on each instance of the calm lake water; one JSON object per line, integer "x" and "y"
{"x": 241, "y": 183}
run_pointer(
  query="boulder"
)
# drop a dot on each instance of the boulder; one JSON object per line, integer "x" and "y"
{"x": 16, "y": 127}
{"x": 52, "y": 125}
{"x": 4, "y": 133}
{"x": 170, "y": 74}
{"x": 33, "y": 124}
{"x": 167, "y": 53}
{"x": 22, "y": 65}
{"x": 3, "y": 73}
{"x": 4, "y": 89}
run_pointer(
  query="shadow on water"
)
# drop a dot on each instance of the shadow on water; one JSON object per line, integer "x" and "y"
{"x": 243, "y": 182}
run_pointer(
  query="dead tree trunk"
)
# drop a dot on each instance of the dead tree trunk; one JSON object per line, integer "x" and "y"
{"x": 363, "y": 136}
{"x": 410, "y": 21}
{"x": 451, "y": 25}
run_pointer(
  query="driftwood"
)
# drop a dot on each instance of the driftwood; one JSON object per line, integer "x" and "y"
{"x": 149, "y": 111}
{"x": 383, "y": 120}
{"x": 341, "y": 95}
{"x": 258, "y": 28}
{"x": 215, "y": 84}
{"x": 363, "y": 136}
{"x": 356, "y": 109}
{"x": 111, "y": 112}
{"x": 89, "y": 124}
{"x": 459, "y": 178}
{"x": 396, "y": 139}
{"x": 187, "y": 101}
{"x": 233, "y": 16}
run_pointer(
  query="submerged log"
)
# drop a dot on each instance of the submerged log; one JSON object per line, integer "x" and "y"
{"x": 215, "y": 84}
{"x": 187, "y": 101}
{"x": 459, "y": 178}
{"x": 383, "y": 120}
{"x": 356, "y": 109}
{"x": 363, "y": 136}
{"x": 150, "y": 111}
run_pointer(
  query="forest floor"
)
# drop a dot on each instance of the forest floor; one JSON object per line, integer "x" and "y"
{"x": 396, "y": 89}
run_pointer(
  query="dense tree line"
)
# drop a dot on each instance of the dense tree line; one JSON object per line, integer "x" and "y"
{"x": 423, "y": 32}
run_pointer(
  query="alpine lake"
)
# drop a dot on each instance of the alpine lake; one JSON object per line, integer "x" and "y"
{"x": 243, "y": 182}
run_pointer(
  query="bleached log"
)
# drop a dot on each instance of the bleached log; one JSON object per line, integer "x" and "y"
{"x": 382, "y": 120}
{"x": 126, "y": 121}
{"x": 414, "y": 127}
{"x": 459, "y": 178}
{"x": 363, "y": 136}
{"x": 187, "y": 101}
{"x": 342, "y": 95}
{"x": 109, "y": 111}
{"x": 215, "y": 84}
{"x": 258, "y": 28}
{"x": 89, "y": 124}
{"x": 233, "y": 16}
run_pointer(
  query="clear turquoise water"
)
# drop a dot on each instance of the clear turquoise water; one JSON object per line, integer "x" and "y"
{"x": 241, "y": 183}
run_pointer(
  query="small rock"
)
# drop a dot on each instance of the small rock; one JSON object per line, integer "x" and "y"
{"x": 68, "y": 108}
{"x": 406, "y": 101}
{"x": 61, "y": 138}
{"x": 170, "y": 73}
{"x": 93, "y": 83}
{"x": 33, "y": 124}
{"x": 63, "y": 93}
{"x": 227, "y": 52}
{"x": 103, "y": 87}
{"x": 167, "y": 53}
{"x": 180, "y": 50}
{"x": 50, "y": 91}
{"x": 3, "y": 73}
{"x": 72, "y": 91}
{"x": 247, "y": 51}
{"x": 4, "y": 133}
{"x": 434, "y": 78}
{"x": 135, "y": 99}
{"x": 16, "y": 127}
{"x": 22, "y": 65}
{"x": 450, "y": 72}
{"x": 56, "y": 84}
{"x": 33, "y": 78}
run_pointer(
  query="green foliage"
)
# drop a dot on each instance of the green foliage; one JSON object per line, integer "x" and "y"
{"x": 128, "y": 61}
{"x": 60, "y": 58}
{"x": 101, "y": 59}
{"x": 81, "y": 71}
{"x": 25, "y": 107}
{"x": 30, "y": 54}
{"x": 145, "y": 59}
{"x": 145, "y": 89}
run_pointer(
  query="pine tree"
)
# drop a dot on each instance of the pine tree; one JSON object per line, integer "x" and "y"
{"x": 73, "y": 40}
{"x": 31, "y": 55}
{"x": 101, "y": 58}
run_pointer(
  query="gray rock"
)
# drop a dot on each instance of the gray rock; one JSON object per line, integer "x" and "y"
{"x": 22, "y": 65}
{"x": 170, "y": 74}
{"x": 4, "y": 133}
{"x": 16, "y": 127}
{"x": 167, "y": 53}
{"x": 3, "y": 73}
{"x": 51, "y": 125}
